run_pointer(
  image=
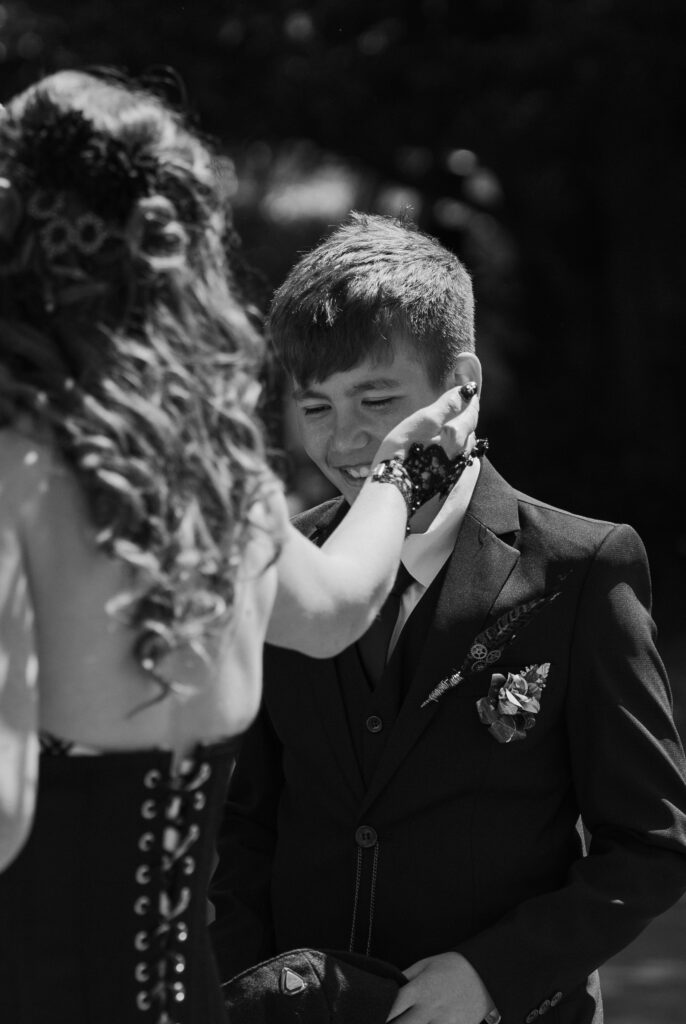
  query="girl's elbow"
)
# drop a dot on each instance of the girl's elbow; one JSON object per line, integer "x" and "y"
{"x": 332, "y": 637}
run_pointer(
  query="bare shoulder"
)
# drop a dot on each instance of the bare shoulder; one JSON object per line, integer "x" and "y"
{"x": 26, "y": 463}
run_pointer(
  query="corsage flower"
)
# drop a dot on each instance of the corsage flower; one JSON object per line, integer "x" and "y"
{"x": 512, "y": 703}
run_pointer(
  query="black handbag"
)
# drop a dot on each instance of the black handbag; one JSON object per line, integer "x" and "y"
{"x": 312, "y": 986}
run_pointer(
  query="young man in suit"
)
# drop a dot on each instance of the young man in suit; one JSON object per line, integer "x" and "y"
{"x": 426, "y": 810}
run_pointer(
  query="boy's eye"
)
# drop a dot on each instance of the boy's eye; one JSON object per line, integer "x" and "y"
{"x": 313, "y": 410}
{"x": 378, "y": 403}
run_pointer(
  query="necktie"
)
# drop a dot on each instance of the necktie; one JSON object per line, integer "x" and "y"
{"x": 373, "y": 646}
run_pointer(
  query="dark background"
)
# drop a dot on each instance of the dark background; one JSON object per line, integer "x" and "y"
{"x": 542, "y": 140}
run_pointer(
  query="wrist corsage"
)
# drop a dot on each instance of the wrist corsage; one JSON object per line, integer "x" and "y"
{"x": 424, "y": 472}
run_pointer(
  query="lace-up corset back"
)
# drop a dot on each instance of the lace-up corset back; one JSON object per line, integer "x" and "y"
{"x": 104, "y": 911}
{"x": 171, "y": 830}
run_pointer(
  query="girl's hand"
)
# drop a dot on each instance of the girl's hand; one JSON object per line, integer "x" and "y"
{"x": 449, "y": 421}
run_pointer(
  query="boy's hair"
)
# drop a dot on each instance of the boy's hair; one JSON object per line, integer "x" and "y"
{"x": 374, "y": 279}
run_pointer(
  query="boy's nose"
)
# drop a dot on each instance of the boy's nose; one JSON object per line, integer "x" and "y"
{"x": 349, "y": 435}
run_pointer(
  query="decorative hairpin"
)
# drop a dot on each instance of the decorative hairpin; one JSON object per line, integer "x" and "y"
{"x": 62, "y": 151}
{"x": 55, "y": 154}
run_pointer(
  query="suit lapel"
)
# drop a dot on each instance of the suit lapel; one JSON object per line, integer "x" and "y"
{"x": 317, "y": 523}
{"x": 479, "y": 568}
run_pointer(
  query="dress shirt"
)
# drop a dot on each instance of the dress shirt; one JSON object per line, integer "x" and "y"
{"x": 424, "y": 554}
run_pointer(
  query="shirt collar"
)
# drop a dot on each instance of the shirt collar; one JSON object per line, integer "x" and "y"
{"x": 424, "y": 554}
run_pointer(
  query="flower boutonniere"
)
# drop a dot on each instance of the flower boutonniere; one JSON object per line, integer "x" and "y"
{"x": 512, "y": 703}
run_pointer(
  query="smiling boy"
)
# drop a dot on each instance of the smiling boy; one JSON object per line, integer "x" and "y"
{"x": 384, "y": 814}
{"x": 343, "y": 418}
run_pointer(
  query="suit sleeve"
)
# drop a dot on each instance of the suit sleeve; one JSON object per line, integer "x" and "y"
{"x": 242, "y": 932}
{"x": 629, "y": 774}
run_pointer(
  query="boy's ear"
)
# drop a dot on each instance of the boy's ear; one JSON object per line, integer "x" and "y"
{"x": 467, "y": 367}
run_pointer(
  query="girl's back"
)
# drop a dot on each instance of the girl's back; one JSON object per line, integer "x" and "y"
{"x": 59, "y": 598}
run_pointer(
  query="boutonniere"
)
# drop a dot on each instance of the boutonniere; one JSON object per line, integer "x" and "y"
{"x": 486, "y": 649}
{"x": 512, "y": 703}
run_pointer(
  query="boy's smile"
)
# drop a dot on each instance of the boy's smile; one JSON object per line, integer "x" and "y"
{"x": 344, "y": 418}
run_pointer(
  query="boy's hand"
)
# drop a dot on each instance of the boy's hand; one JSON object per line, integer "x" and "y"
{"x": 443, "y": 989}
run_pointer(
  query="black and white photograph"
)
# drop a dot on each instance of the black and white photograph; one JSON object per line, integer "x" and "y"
{"x": 342, "y": 521}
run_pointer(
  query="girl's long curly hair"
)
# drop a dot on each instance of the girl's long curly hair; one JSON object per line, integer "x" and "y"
{"x": 122, "y": 330}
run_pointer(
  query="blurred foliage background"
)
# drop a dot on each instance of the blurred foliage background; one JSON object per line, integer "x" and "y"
{"x": 542, "y": 140}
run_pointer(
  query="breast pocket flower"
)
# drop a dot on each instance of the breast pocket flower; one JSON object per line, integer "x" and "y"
{"x": 512, "y": 703}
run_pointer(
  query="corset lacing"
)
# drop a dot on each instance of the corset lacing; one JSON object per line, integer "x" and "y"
{"x": 170, "y": 832}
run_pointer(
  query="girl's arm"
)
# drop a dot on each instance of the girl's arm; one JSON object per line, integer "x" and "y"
{"x": 327, "y": 597}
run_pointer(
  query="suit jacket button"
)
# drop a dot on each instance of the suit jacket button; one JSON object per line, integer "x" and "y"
{"x": 544, "y": 1007}
{"x": 556, "y": 999}
{"x": 366, "y": 836}
{"x": 374, "y": 723}
{"x": 531, "y": 1017}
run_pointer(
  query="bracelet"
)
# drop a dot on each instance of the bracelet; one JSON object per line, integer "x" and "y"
{"x": 424, "y": 472}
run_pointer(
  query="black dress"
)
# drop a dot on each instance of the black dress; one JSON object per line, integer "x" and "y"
{"x": 103, "y": 914}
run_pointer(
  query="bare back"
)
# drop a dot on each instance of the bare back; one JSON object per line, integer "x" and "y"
{"x": 58, "y": 584}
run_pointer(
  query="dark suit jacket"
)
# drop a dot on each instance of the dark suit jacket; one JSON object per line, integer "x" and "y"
{"x": 458, "y": 841}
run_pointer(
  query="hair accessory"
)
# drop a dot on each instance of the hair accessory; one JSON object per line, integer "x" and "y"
{"x": 61, "y": 151}
{"x": 424, "y": 472}
{"x": 80, "y": 191}
{"x": 86, "y": 233}
{"x": 44, "y": 205}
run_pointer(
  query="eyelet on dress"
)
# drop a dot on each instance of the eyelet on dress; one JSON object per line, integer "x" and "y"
{"x": 176, "y": 803}
{"x": 152, "y": 778}
{"x": 141, "y": 906}
{"x": 142, "y": 972}
{"x": 143, "y": 1001}
{"x": 148, "y": 809}
{"x": 145, "y": 843}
